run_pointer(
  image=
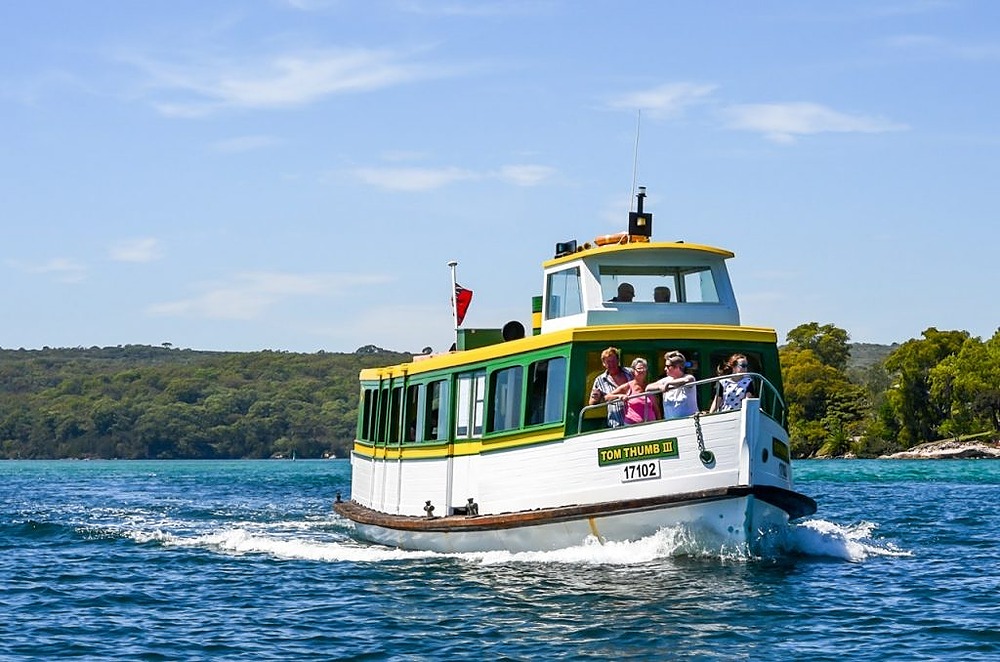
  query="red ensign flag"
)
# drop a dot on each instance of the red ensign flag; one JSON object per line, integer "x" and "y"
{"x": 463, "y": 298}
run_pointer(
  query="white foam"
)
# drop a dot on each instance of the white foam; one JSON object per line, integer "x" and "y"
{"x": 850, "y": 543}
{"x": 323, "y": 541}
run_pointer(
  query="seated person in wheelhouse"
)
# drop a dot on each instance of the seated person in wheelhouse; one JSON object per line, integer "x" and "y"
{"x": 661, "y": 294}
{"x": 625, "y": 293}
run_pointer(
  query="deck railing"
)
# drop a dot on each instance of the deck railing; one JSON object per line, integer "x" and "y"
{"x": 771, "y": 402}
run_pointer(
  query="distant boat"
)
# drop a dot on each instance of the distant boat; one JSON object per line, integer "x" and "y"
{"x": 495, "y": 447}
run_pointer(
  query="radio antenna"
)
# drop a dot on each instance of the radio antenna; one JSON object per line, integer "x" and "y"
{"x": 635, "y": 159}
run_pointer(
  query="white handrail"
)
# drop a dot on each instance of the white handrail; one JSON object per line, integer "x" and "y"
{"x": 776, "y": 410}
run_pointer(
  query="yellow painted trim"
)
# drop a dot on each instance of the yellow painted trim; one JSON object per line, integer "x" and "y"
{"x": 611, "y": 333}
{"x": 522, "y": 439}
{"x": 638, "y": 246}
{"x": 458, "y": 449}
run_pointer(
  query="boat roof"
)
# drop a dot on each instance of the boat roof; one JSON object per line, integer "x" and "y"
{"x": 593, "y": 250}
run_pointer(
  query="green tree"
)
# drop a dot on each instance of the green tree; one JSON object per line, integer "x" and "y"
{"x": 970, "y": 382}
{"x": 826, "y": 410}
{"x": 916, "y": 412}
{"x": 830, "y": 343}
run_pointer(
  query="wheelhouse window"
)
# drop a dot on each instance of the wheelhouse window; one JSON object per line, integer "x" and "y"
{"x": 506, "y": 399}
{"x": 546, "y": 391}
{"x": 470, "y": 389}
{"x": 685, "y": 284}
{"x": 564, "y": 295}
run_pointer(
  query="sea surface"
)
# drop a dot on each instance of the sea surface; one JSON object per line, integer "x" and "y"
{"x": 177, "y": 560}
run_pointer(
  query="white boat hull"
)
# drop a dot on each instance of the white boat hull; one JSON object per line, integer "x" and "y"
{"x": 556, "y": 495}
{"x": 736, "y": 523}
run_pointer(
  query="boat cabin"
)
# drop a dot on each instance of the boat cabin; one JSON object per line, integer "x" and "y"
{"x": 662, "y": 283}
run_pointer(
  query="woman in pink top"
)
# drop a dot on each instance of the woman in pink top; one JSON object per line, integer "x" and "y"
{"x": 638, "y": 409}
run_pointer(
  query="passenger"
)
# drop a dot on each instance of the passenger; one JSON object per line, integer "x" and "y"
{"x": 730, "y": 392}
{"x": 625, "y": 293}
{"x": 661, "y": 294}
{"x": 679, "y": 398}
{"x": 638, "y": 409}
{"x": 606, "y": 382}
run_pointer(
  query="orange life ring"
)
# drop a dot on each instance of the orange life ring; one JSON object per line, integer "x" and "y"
{"x": 608, "y": 239}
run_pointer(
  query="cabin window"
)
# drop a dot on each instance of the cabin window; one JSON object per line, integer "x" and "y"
{"x": 368, "y": 413}
{"x": 547, "y": 391}
{"x": 699, "y": 285}
{"x": 506, "y": 389}
{"x": 383, "y": 415}
{"x": 564, "y": 296}
{"x": 665, "y": 284}
{"x": 411, "y": 411}
{"x": 395, "y": 412}
{"x": 469, "y": 404}
{"x": 436, "y": 411}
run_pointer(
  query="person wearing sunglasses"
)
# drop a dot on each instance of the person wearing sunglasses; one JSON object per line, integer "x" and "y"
{"x": 732, "y": 390}
{"x": 679, "y": 397}
{"x": 638, "y": 409}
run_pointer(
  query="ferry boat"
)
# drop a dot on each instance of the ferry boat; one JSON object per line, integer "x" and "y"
{"x": 494, "y": 445}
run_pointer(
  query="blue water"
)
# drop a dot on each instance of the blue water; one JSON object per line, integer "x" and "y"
{"x": 245, "y": 560}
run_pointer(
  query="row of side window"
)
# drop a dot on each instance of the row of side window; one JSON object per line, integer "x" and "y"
{"x": 517, "y": 396}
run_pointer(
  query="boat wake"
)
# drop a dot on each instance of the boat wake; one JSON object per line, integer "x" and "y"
{"x": 853, "y": 543}
{"x": 332, "y": 542}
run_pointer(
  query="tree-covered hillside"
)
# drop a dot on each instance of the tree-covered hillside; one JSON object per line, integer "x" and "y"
{"x": 151, "y": 402}
{"x": 869, "y": 400}
{"x": 157, "y": 402}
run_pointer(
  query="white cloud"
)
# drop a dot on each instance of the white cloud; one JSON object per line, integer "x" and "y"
{"x": 526, "y": 175}
{"x": 413, "y": 179}
{"x": 249, "y": 295}
{"x": 783, "y": 123}
{"x": 427, "y": 179}
{"x": 399, "y": 156}
{"x": 244, "y": 144}
{"x": 63, "y": 270}
{"x": 281, "y": 81}
{"x": 311, "y": 5}
{"x": 479, "y": 9}
{"x": 669, "y": 100}
{"x": 932, "y": 46}
{"x": 145, "y": 249}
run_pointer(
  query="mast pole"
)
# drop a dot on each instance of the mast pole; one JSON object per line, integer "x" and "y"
{"x": 454, "y": 298}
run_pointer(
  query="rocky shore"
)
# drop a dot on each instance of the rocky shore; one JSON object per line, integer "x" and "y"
{"x": 949, "y": 449}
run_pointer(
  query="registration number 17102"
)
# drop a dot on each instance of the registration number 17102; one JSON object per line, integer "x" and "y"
{"x": 641, "y": 471}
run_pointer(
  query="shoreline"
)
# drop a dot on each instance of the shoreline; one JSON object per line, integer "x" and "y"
{"x": 949, "y": 449}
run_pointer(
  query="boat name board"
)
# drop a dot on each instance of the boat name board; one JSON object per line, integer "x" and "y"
{"x": 646, "y": 450}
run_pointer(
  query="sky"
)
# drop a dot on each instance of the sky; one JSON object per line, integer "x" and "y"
{"x": 295, "y": 175}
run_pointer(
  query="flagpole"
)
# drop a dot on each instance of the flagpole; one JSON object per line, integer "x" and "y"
{"x": 454, "y": 298}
